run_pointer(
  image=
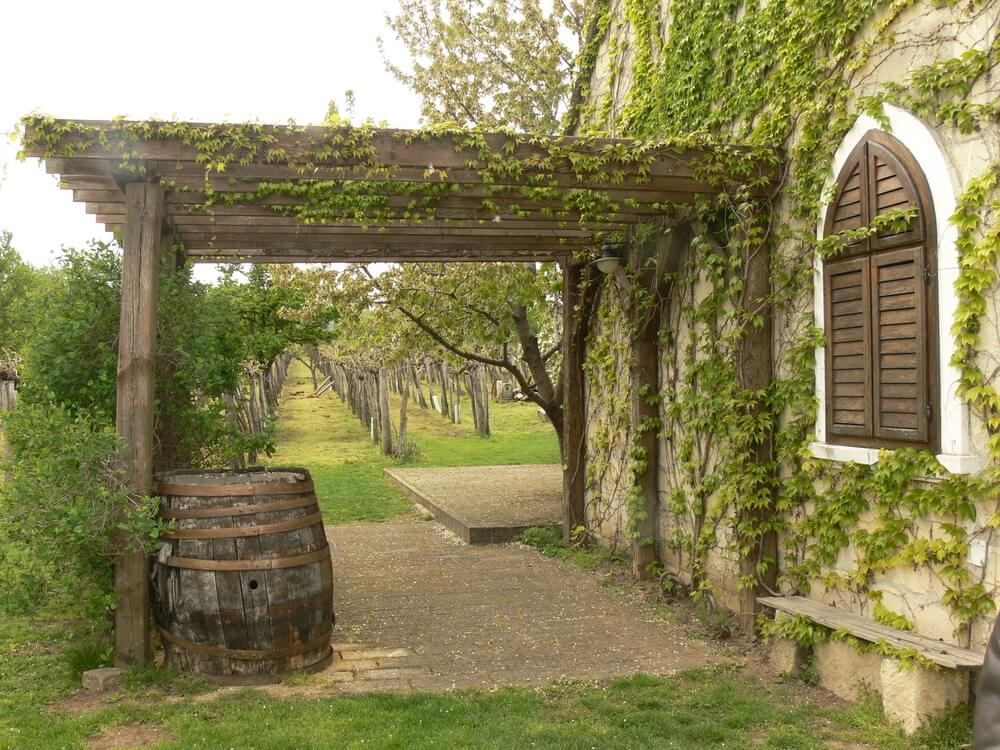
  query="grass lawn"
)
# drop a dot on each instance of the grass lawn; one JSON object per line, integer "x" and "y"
{"x": 323, "y": 436}
{"x": 696, "y": 710}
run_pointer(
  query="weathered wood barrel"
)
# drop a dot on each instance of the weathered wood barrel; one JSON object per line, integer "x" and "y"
{"x": 243, "y": 588}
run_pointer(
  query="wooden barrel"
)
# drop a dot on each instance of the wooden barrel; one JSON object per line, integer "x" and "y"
{"x": 243, "y": 587}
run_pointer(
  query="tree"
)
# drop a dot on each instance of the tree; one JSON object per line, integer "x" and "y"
{"x": 490, "y": 63}
{"x": 506, "y": 315}
{"x": 494, "y": 64}
{"x": 18, "y": 281}
{"x": 280, "y": 306}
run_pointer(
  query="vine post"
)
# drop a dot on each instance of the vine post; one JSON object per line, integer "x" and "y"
{"x": 574, "y": 418}
{"x": 757, "y": 535}
{"x": 134, "y": 409}
{"x": 645, "y": 310}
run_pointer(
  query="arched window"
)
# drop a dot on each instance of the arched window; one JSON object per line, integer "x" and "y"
{"x": 880, "y": 299}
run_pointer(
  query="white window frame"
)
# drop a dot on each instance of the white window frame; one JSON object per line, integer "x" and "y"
{"x": 957, "y": 454}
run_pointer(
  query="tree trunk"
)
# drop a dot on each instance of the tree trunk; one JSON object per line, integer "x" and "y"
{"x": 481, "y": 401}
{"x": 385, "y": 416}
{"x": 414, "y": 375}
{"x": 430, "y": 385}
{"x": 403, "y": 417}
{"x": 456, "y": 406}
{"x": 445, "y": 409}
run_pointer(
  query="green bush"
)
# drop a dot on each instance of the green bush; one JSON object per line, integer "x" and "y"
{"x": 543, "y": 538}
{"x": 64, "y": 503}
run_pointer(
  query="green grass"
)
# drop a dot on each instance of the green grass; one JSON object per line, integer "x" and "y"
{"x": 323, "y": 436}
{"x": 696, "y": 710}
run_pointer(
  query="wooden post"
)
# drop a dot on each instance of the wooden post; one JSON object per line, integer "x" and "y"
{"x": 644, "y": 409}
{"x": 171, "y": 449}
{"x": 754, "y": 371}
{"x": 573, "y": 443}
{"x": 134, "y": 408}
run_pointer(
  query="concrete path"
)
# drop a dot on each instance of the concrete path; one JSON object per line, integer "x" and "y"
{"x": 486, "y": 504}
{"x": 417, "y": 608}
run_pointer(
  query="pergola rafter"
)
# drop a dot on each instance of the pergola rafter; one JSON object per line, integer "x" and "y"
{"x": 286, "y": 193}
{"x": 263, "y": 193}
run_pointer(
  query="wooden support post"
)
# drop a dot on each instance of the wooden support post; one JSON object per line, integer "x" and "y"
{"x": 171, "y": 448}
{"x": 645, "y": 419}
{"x": 134, "y": 409}
{"x": 754, "y": 372}
{"x": 573, "y": 442}
{"x": 651, "y": 266}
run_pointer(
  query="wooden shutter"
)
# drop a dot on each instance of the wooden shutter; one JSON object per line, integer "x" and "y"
{"x": 848, "y": 351}
{"x": 849, "y": 209}
{"x": 899, "y": 326}
{"x": 890, "y": 187}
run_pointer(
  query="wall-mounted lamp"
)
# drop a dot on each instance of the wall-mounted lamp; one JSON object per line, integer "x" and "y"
{"x": 610, "y": 261}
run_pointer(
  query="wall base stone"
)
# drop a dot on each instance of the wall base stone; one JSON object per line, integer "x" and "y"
{"x": 846, "y": 672}
{"x": 785, "y": 656}
{"x": 911, "y": 693}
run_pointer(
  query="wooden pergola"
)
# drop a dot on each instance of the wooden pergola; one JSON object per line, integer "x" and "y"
{"x": 281, "y": 194}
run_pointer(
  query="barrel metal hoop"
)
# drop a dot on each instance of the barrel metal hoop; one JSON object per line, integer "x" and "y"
{"x": 194, "y": 563}
{"x": 257, "y": 489}
{"x": 239, "y": 510}
{"x": 236, "y": 532}
{"x": 243, "y": 654}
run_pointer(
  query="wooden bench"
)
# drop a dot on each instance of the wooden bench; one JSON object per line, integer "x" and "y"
{"x": 942, "y": 654}
{"x": 911, "y": 692}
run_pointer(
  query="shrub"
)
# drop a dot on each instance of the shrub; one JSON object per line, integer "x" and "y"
{"x": 64, "y": 504}
{"x": 542, "y": 538}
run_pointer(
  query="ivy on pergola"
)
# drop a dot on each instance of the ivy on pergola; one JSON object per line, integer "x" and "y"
{"x": 266, "y": 193}
{"x": 295, "y": 194}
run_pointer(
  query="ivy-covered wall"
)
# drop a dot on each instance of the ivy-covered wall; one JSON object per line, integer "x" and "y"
{"x": 892, "y": 539}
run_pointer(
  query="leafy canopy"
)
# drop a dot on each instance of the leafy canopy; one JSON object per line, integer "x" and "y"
{"x": 492, "y": 63}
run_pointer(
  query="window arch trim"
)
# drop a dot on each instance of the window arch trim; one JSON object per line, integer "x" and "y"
{"x": 957, "y": 452}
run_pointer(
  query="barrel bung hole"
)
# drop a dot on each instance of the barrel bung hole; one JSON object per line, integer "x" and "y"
{"x": 253, "y": 584}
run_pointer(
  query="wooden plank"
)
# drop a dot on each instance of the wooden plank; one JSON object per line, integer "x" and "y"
{"x": 134, "y": 407}
{"x": 945, "y": 654}
{"x": 347, "y": 256}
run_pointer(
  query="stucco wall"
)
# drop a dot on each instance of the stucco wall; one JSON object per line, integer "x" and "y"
{"x": 925, "y": 33}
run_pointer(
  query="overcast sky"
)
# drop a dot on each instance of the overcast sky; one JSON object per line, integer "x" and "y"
{"x": 211, "y": 60}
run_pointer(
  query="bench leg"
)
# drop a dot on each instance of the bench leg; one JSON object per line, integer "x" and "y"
{"x": 786, "y": 656}
{"x": 911, "y": 693}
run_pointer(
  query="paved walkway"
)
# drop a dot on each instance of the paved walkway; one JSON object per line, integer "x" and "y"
{"x": 417, "y": 608}
{"x": 486, "y": 504}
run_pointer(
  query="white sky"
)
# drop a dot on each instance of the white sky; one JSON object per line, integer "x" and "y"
{"x": 212, "y": 60}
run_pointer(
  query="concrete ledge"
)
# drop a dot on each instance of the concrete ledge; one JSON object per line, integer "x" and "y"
{"x": 485, "y": 504}
{"x": 447, "y": 520}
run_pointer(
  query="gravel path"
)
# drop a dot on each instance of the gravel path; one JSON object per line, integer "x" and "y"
{"x": 418, "y": 608}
